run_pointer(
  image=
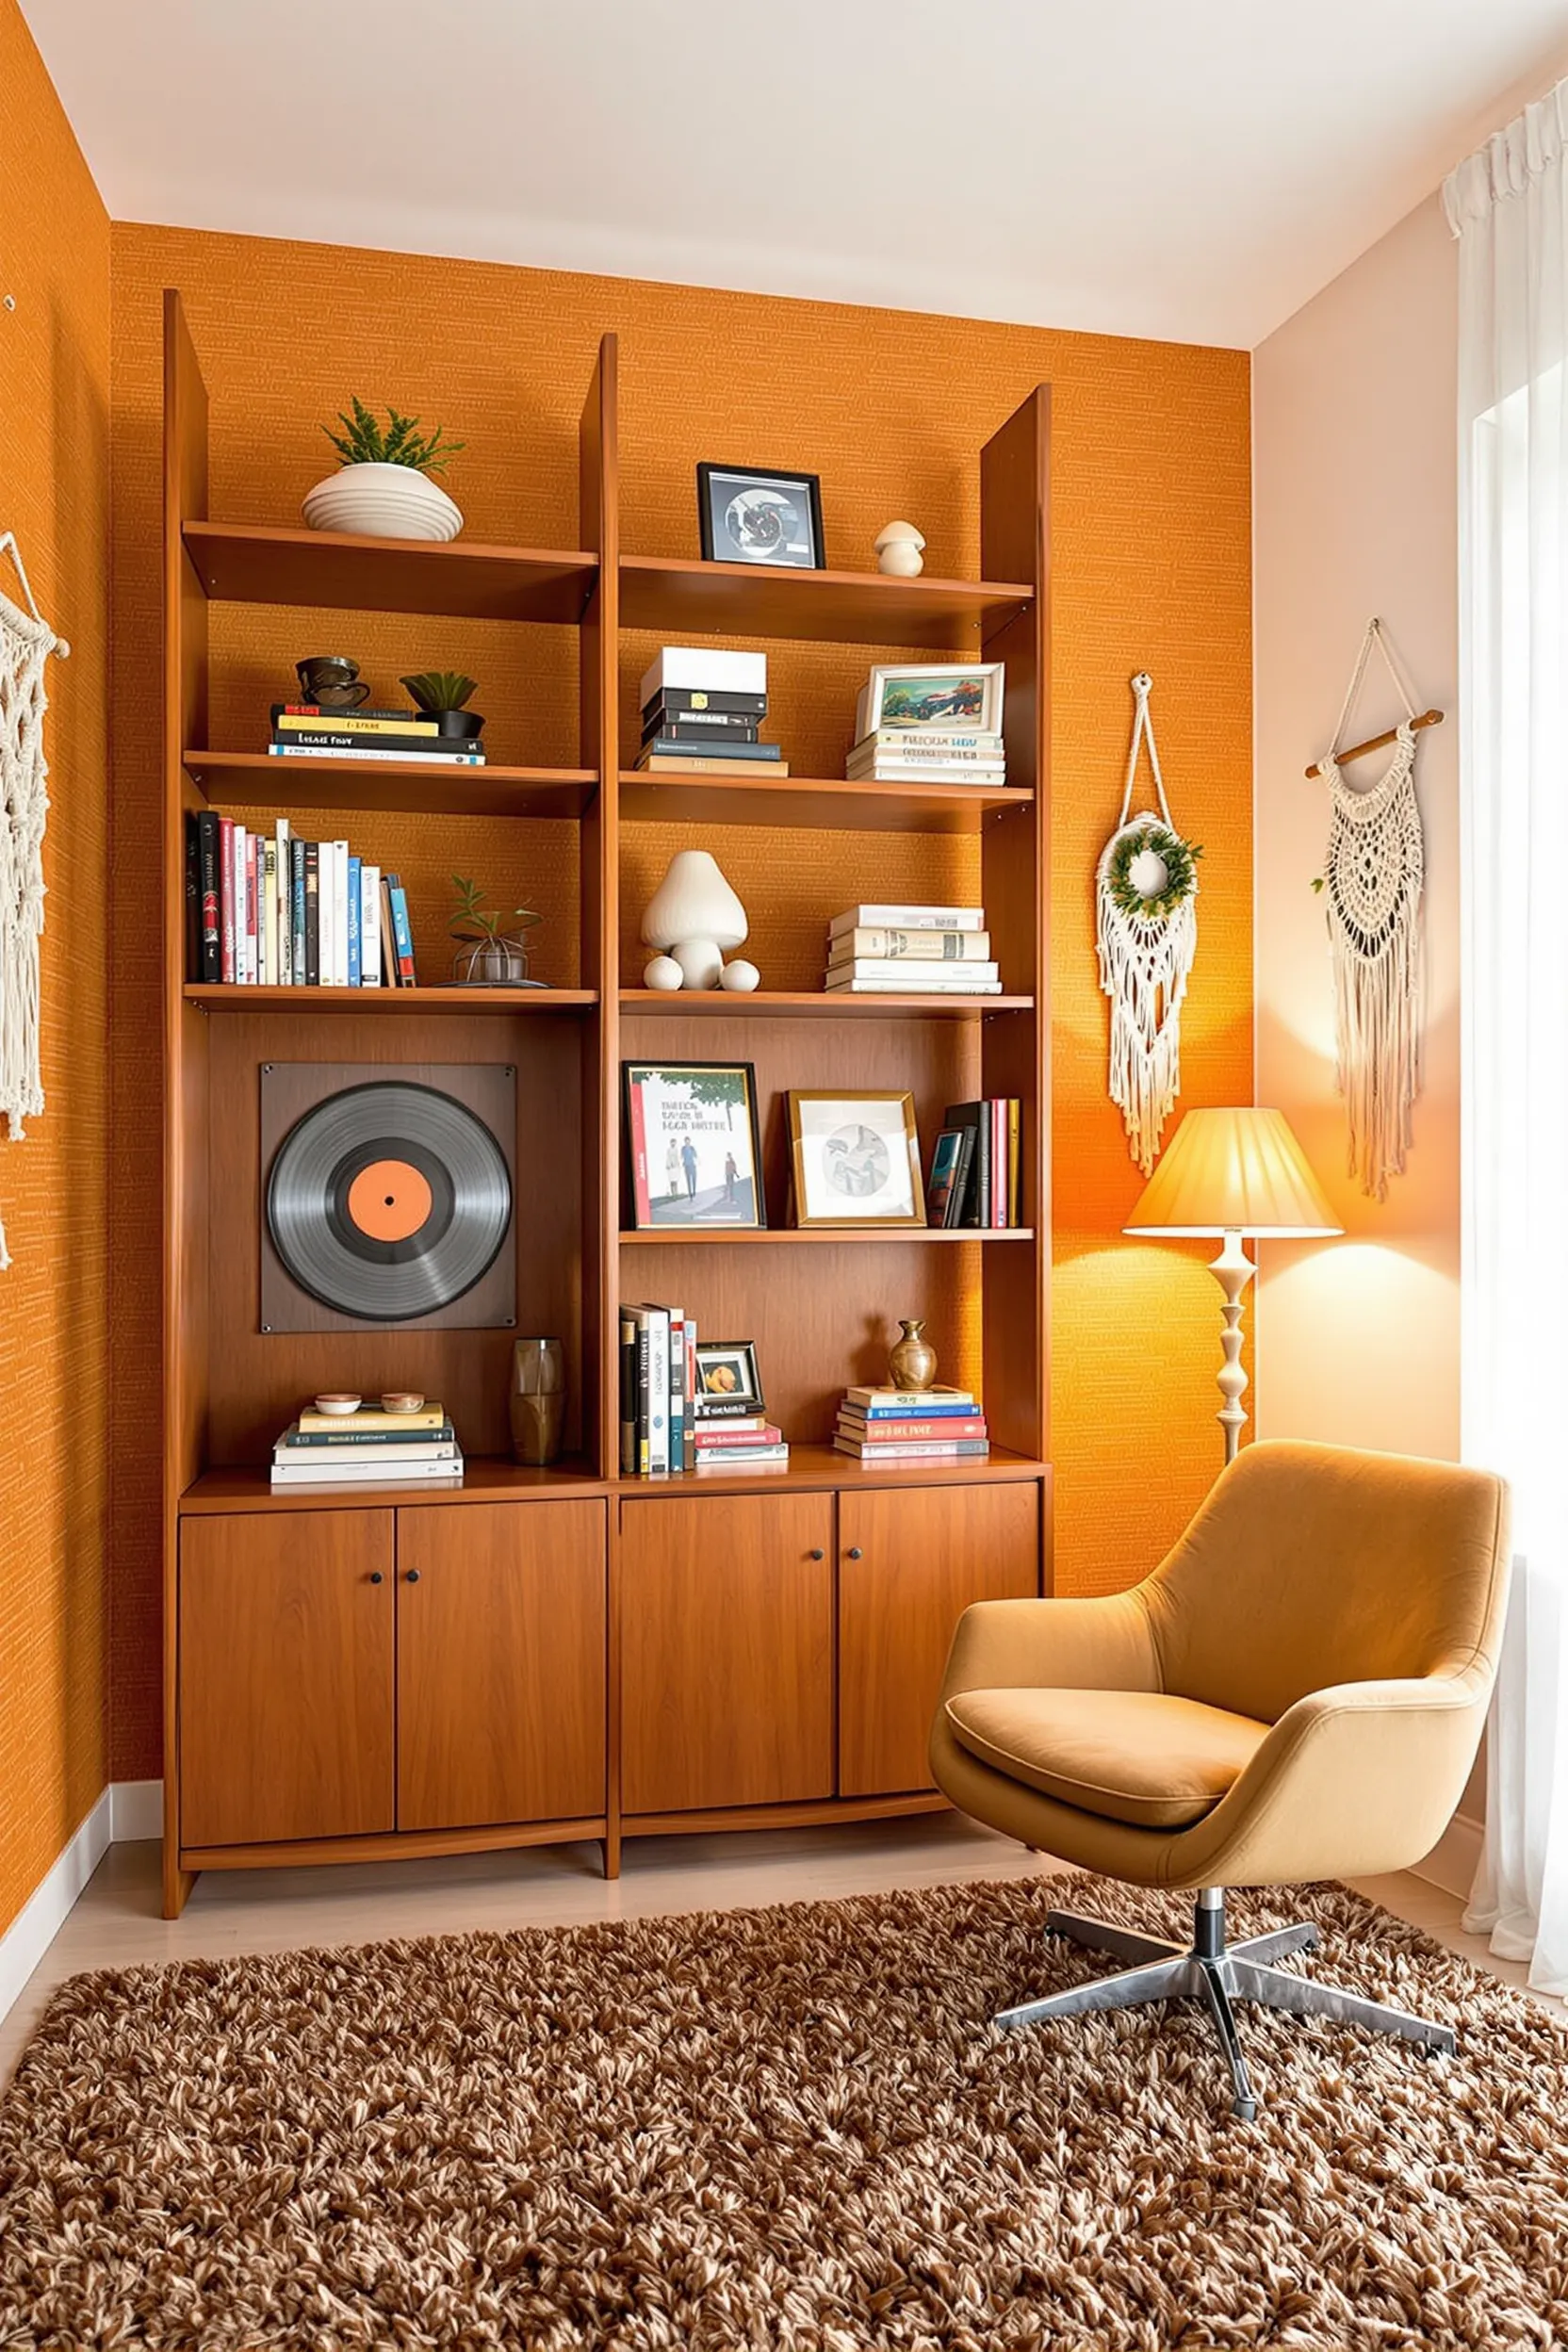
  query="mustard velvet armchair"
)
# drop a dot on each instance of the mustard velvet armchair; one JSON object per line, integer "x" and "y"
{"x": 1296, "y": 1692}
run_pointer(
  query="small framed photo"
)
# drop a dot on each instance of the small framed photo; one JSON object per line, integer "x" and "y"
{"x": 856, "y": 1158}
{"x": 692, "y": 1136}
{"x": 749, "y": 515}
{"x": 727, "y": 1378}
{"x": 944, "y": 1189}
{"x": 957, "y": 697}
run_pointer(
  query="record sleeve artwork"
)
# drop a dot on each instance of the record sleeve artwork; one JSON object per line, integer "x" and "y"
{"x": 388, "y": 1196}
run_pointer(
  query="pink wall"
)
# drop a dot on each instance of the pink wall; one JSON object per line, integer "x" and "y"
{"x": 1354, "y": 514}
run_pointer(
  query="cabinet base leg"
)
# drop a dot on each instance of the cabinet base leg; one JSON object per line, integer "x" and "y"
{"x": 177, "y": 1884}
{"x": 610, "y": 1847}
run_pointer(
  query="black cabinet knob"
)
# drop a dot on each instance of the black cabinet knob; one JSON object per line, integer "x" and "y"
{"x": 414, "y": 1576}
{"x": 816, "y": 1551}
{"x": 375, "y": 1576}
{"x": 855, "y": 1551}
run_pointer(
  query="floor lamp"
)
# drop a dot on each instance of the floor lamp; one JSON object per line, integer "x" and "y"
{"x": 1223, "y": 1174}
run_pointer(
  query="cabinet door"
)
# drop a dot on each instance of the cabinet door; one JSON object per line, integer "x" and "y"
{"x": 726, "y": 1651}
{"x": 911, "y": 1561}
{"x": 285, "y": 1676}
{"x": 500, "y": 1663}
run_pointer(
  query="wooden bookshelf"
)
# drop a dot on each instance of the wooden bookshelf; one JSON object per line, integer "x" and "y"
{"x": 293, "y": 1624}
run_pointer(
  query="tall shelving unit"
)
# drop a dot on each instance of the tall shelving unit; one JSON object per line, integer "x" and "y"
{"x": 620, "y": 1656}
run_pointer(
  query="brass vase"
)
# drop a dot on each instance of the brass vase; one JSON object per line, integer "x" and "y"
{"x": 538, "y": 1399}
{"x": 912, "y": 1360}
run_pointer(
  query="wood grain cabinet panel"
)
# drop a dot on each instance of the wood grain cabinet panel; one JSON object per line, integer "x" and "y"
{"x": 911, "y": 1561}
{"x": 502, "y": 1664}
{"x": 726, "y": 1651}
{"x": 285, "y": 1676}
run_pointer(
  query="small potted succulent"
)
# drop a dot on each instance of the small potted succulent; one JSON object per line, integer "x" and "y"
{"x": 441, "y": 694}
{"x": 382, "y": 489}
{"x": 491, "y": 954}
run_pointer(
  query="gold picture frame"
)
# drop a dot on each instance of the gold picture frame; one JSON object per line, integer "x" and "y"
{"x": 854, "y": 1156}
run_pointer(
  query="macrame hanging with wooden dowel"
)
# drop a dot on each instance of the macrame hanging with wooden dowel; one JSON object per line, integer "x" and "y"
{"x": 26, "y": 640}
{"x": 1146, "y": 934}
{"x": 1371, "y": 884}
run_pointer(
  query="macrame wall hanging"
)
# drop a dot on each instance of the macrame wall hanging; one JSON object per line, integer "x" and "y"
{"x": 26, "y": 640}
{"x": 1145, "y": 933}
{"x": 1371, "y": 887}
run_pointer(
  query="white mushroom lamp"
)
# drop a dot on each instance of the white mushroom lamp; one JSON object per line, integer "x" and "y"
{"x": 692, "y": 918}
{"x": 898, "y": 551}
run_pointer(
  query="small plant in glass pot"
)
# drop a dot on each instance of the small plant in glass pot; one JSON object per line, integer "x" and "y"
{"x": 441, "y": 696}
{"x": 492, "y": 950}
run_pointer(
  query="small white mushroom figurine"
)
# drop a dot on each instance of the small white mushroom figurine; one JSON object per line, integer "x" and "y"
{"x": 692, "y": 918}
{"x": 898, "y": 551}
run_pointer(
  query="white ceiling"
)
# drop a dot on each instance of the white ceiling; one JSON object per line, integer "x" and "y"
{"x": 1191, "y": 169}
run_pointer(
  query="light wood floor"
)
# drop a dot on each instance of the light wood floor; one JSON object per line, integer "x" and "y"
{"x": 116, "y": 1923}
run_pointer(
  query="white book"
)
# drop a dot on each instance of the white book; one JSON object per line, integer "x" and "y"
{"x": 242, "y": 972}
{"x": 887, "y": 769}
{"x": 943, "y": 742}
{"x": 340, "y": 913}
{"x": 908, "y": 919}
{"x": 908, "y": 985}
{"x": 741, "y": 1458}
{"x": 370, "y": 926}
{"x": 912, "y": 974}
{"x": 267, "y": 921}
{"x": 326, "y": 904}
{"x": 285, "y": 905}
{"x": 726, "y": 673}
{"x": 334, "y": 1471}
{"x": 659, "y": 1388}
{"x": 440, "y": 759}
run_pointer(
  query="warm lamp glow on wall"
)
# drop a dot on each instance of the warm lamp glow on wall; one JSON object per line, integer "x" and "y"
{"x": 1228, "y": 1173}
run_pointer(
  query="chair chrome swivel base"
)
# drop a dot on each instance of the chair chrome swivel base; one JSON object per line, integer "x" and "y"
{"x": 1218, "y": 1974}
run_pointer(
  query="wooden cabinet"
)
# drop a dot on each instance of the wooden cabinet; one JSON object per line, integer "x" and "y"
{"x": 726, "y": 1651}
{"x": 287, "y": 1634}
{"x": 500, "y": 1663}
{"x": 910, "y": 1560}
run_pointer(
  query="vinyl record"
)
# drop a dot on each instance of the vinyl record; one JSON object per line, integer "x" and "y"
{"x": 388, "y": 1200}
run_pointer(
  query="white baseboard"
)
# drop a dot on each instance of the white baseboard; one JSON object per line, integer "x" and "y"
{"x": 47, "y": 1908}
{"x": 135, "y": 1810}
{"x": 1453, "y": 1861}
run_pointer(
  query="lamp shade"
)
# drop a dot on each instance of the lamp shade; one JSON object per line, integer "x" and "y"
{"x": 1239, "y": 1171}
{"x": 693, "y": 901}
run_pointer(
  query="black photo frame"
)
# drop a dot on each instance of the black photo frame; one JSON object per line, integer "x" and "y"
{"x": 782, "y": 519}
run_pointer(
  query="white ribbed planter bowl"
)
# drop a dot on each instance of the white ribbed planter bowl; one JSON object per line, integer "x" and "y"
{"x": 382, "y": 502}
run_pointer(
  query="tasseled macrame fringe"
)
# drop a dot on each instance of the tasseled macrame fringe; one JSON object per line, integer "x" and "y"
{"x": 26, "y": 644}
{"x": 1378, "y": 1051}
{"x": 1144, "y": 968}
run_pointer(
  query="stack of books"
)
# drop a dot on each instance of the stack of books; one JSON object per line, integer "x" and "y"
{"x": 302, "y": 730}
{"x": 369, "y": 1448}
{"x": 731, "y": 1437}
{"x": 669, "y": 1427}
{"x": 937, "y": 751}
{"x": 975, "y": 1165}
{"x": 880, "y": 1427}
{"x": 701, "y": 711}
{"x": 911, "y": 951}
{"x": 268, "y": 911}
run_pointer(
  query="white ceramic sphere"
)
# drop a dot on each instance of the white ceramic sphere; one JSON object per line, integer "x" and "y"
{"x": 902, "y": 559}
{"x": 1149, "y": 873}
{"x": 740, "y": 976}
{"x": 663, "y": 972}
{"x": 700, "y": 962}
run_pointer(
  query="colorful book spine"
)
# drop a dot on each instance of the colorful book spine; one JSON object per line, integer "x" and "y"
{"x": 944, "y": 1429}
{"x": 403, "y": 936}
{"x": 351, "y": 922}
{"x": 313, "y": 914}
{"x": 296, "y": 910}
{"x": 209, "y": 851}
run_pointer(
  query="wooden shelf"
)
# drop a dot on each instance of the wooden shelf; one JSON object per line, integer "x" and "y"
{"x": 237, "y": 562}
{"x": 830, "y": 807}
{"x": 816, "y": 1467}
{"x": 230, "y": 999}
{"x": 853, "y": 608}
{"x": 246, "y": 779}
{"x": 680, "y": 1236}
{"x": 486, "y": 1479}
{"x": 813, "y": 1005}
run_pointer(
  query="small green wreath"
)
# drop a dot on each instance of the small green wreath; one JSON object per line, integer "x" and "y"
{"x": 1181, "y": 864}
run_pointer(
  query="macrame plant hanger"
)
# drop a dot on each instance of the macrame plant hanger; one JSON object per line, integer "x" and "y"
{"x": 26, "y": 640}
{"x": 1146, "y": 936}
{"x": 1372, "y": 879}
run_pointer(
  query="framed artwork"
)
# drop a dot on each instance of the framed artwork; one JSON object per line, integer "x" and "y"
{"x": 955, "y": 696}
{"x": 692, "y": 1138}
{"x": 749, "y": 515}
{"x": 856, "y": 1158}
{"x": 944, "y": 1189}
{"x": 727, "y": 1378}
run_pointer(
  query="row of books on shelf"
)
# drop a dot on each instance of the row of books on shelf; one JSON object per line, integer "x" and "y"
{"x": 688, "y": 1409}
{"x": 911, "y": 951}
{"x": 271, "y": 910}
{"x": 976, "y": 1166}
{"x": 878, "y": 1426}
{"x": 304, "y": 730}
{"x": 369, "y": 1447}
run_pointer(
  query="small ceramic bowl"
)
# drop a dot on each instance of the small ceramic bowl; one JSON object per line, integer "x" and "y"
{"x": 402, "y": 1400}
{"x": 338, "y": 1401}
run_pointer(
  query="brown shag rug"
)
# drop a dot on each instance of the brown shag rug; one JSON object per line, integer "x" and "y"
{"x": 783, "y": 2127}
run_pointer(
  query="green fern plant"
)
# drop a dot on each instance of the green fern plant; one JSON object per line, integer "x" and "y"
{"x": 471, "y": 920}
{"x": 364, "y": 441}
{"x": 440, "y": 690}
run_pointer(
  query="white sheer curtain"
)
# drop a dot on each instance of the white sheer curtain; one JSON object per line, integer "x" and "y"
{"x": 1508, "y": 205}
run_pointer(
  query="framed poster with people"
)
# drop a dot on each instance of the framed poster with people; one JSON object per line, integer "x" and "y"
{"x": 693, "y": 1141}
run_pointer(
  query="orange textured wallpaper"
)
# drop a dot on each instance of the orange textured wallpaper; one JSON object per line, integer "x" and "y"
{"x": 1151, "y": 521}
{"x": 55, "y": 1302}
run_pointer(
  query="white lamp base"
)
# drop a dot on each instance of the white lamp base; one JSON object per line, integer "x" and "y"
{"x": 1233, "y": 1270}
